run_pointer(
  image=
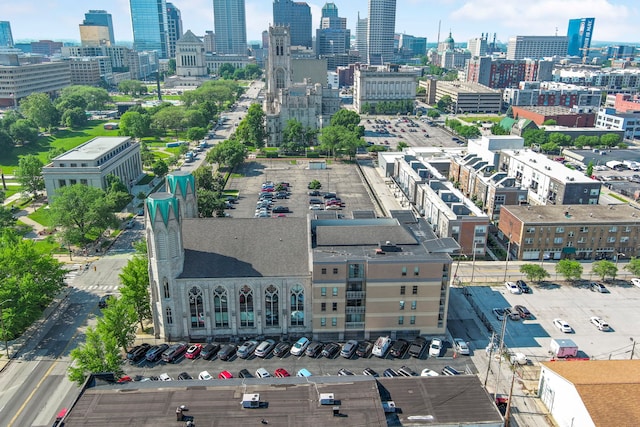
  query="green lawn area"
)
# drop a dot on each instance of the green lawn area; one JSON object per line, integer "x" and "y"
{"x": 49, "y": 246}
{"x": 473, "y": 119}
{"x": 65, "y": 138}
{"x": 41, "y": 216}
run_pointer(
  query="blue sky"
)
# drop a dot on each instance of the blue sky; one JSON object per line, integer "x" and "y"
{"x": 615, "y": 19}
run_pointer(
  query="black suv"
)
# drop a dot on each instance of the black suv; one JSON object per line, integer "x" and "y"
{"x": 330, "y": 350}
{"x": 227, "y": 351}
{"x": 417, "y": 347}
{"x": 364, "y": 348}
{"x": 280, "y": 209}
{"x": 399, "y": 347}
{"x": 209, "y": 350}
{"x": 522, "y": 285}
{"x": 137, "y": 353}
{"x": 523, "y": 311}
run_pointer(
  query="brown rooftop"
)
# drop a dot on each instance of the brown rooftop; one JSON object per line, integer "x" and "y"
{"x": 577, "y": 214}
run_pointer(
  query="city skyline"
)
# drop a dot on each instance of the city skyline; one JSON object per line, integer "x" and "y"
{"x": 615, "y": 19}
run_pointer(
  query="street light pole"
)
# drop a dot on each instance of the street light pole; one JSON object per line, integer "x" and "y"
{"x": 4, "y": 331}
{"x": 506, "y": 263}
{"x": 473, "y": 262}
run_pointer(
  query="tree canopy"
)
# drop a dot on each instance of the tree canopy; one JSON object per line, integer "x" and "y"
{"x": 29, "y": 173}
{"x": 534, "y": 272}
{"x": 604, "y": 268}
{"x": 39, "y": 108}
{"x": 570, "y": 269}
{"x": 229, "y": 153}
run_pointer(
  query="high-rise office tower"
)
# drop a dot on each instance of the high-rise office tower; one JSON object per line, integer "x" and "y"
{"x": 149, "y": 21}
{"x": 330, "y": 18}
{"x": 230, "y": 26}
{"x": 579, "y": 36}
{"x": 362, "y": 27}
{"x": 536, "y": 47}
{"x": 296, "y": 16}
{"x": 333, "y": 37}
{"x": 174, "y": 28}
{"x": 381, "y": 30}
{"x": 6, "y": 38}
{"x": 99, "y": 18}
{"x": 265, "y": 39}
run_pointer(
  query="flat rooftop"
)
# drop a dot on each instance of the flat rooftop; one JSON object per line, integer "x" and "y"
{"x": 467, "y": 87}
{"x": 93, "y": 149}
{"x": 551, "y": 110}
{"x": 546, "y": 166}
{"x": 578, "y": 214}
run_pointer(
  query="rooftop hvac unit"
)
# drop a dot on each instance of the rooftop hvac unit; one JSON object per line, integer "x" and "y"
{"x": 251, "y": 400}
{"x": 326, "y": 399}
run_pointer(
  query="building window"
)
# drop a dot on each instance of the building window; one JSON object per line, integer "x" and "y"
{"x": 624, "y": 239}
{"x": 334, "y": 306}
{"x": 528, "y": 241}
{"x": 72, "y": 182}
{"x": 220, "y": 307}
{"x": 323, "y": 292}
{"x": 334, "y": 292}
{"x": 404, "y": 271}
{"x": 272, "y": 306}
{"x": 611, "y": 240}
{"x": 323, "y": 321}
{"x": 414, "y": 291}
{"x": 62, "y": 183}
{"x": 84, "y": 182}
{"x": 416, "y": 271}
{"x": 401, "y": 305}
{"x": 400, "y": 320}
{"x": 412, "y": 320}
{"x": 195, "y": 307}
{"x": 323, "y": 306}
{"x": 557, "y": 240}
{"x": 165, "y": 288}
{"x": 559, "y": 229}
{"x": 402, "y": 289}
{"x": 83, "y": 165}
{"x": 246, "y": 307}
{"x": 584, "y": 229}
{"x": 335, "y": 271}
{"x": 356, "y": 271}
{"x": 414, "y": 305}
{"x": 169, "y": 314}
{"x": 297, "y": 306}
{"x": 323, "y": 271}
{"x": 594, "y": 192}
{"x": 334, "y": 321}
{"x": 73, "y": 165}
{"x": 613, "y": 229}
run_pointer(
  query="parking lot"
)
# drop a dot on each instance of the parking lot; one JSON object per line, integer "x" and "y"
{"x": 339, "y": 178}
{"x": 390, "y": 130}
{"x": 573, "y": 303}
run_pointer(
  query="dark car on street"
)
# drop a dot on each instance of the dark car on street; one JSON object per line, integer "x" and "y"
{"x": 281, "y": 349}
{"x": 330, "y": 350}
{"x": 227, "y": 352}
{"x": 523, "y": 311}
{"x": 314, "y": 349}
{"x": 184, "y": 376}
{"x": 104, "y": 301}
{"x": 154, "y": 353}
{"x": 137, "y": 353}
{"x": 399, "y": 347}
{"x": 280, "y": 209}
{"x": 245, "y": 374}
{"x": 523, "y": 286}
{"x": 417, "y": 347}
{"x": 364, "y": 349}
{"x": 209, "y": 350}
{"x": 174, "y": 352}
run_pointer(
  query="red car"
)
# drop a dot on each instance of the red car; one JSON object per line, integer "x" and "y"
{"x": 193, "y": 351}
{"x": 281, "y": 373}
{"x": 225, "y": 375}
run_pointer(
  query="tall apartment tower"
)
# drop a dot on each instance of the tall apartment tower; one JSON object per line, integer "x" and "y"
{"x": 6, "y": 38}
{"x": 174, "y": 27}
{"x": 296, "y": 16}
{"x": 230, "y": 25}
{"x": 97, "y": 29}
{"x": 149, "y": 21}
{"x": 362, "y": 27}
{"x": 381, "y": 31}
{"x": 477, "y": 46}
{"x": 579, "y": 36}
{"x": 536, "y": 47}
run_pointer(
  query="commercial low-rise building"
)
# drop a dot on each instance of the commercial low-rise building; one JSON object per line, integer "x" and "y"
{"x": 372, "y": 85}
{"x": 552, "y": 94}
{"x": 563, "y": 116}
{"x": 470, "y": 97}
{"x": 629, "y": 123}
{"x": 19, "y": 78}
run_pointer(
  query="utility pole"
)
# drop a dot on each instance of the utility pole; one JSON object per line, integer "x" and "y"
{"x": 633, "y": 348}
{"x": 507, "y": 414}
{"x": 500, "y": 352}
{"x": 492, "y": 344}
{"x": 506, "y": 262}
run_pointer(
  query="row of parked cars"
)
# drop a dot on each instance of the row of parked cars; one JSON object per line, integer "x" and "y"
{"x": 324, "y": 201}
{"x": 270, "y": 192}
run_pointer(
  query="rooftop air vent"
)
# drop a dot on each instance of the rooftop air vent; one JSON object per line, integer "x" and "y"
{"x": 326, "y": 399}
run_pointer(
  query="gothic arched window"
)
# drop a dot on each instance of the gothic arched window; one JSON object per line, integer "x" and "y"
{"x": 196, "y": 308}
{"x": 297, "y": 306}
{"x": 221, "y": 307}
{"x": 246, "y": 307}
{"x": 271, "y": 306}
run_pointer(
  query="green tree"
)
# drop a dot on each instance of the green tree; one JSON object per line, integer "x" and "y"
{"x": 6, "y": 141}
{"x": 169, "y": 118}
{"x": 633, "y": 266}
{"x": 229, "y": 153}
{"x": 534, "y": 272}
{"x": 252, "y": 71}
{"x": 534, "y": 137}
{"x": 99, "y": 353}
{"x": 196, "y": 134}
{"x": 210, "y": 204}
{"x": 84, "y": 212}
{"x": 570, "y": 269}
{"x": 135, "y": 124}
{"x": 119, "y": 320}
{"x": 226, "y": 70}
{"x": 550, "y": 122}
{"x": 171, "y": 67}
{"x": 590, "y": 167}
{"x": 160, "y": 168}
{"x": 39, "y": 108}
{"x": 550, "y": 148}
{"x": 604, "y": 268}
{"x": 253, "y": 132}
{"x": 496, "y": 129}
{"x": 85, "y": 97}
{"x": 23, "y": 131}
{"x": 444, "y": 104}
{"x": 195, "y": 118}
{"x": 560, "y": 139}
{"x": 74, "y": 118}
{"x": 330, "y": 138}
{"x": 29, "y": 173}
{"x": 346, "y": 118}
{"x": 433, "y": 113}
{"x": 402, "y": 145}
{"x": 204, "y": 177}
{"x": 349, "y": 143}
{"x": 610, "y": 139}
{"x": 133, "y": 87}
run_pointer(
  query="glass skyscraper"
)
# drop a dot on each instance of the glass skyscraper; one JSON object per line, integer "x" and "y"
{"x": 174, "y": 29}
{"x": 100, "y": 18}
{"x": 579, "y": 36}
{"x": 297, "y": 16}
{"x": 150, "y": 27}
{"x": 230, "y": 25}
{"x": 6, "y": 38}
{"x": 381, "y": 31}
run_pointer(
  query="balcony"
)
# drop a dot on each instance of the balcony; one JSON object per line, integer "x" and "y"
{"x": 355, "y": 310}
{"x": 354, "y": 325}
{"x": 356, "y": 294}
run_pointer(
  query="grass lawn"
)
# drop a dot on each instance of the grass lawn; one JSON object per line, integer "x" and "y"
{"x": 50, "y": 246}
{"x": 41, "y": 216}
{"x": 65, "y": 139}
{"x": 473, "y": 119}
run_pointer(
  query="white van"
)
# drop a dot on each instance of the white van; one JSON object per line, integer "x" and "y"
{"x": 381, "y": 346}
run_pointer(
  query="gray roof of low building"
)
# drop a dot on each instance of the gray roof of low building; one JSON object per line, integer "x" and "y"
{"x": 245, "y": 247}
{"x": 577, "y": 214}
{"x": 93, "y": 149}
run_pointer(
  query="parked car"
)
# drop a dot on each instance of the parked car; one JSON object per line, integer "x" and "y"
{"x": 313, "y": 349}
{"x": 636, "y": 282}
{"x": 154, "y": 353}
{"x": 417, "y": 347}
{"x": 449, "y": 370}
{"x": 165, "y": 377}
{"x": 316, "y": 207}
{"x": 184, "y": 376}
{"x": 399, "y": 347}
{"x": 193, "y": 351}
{"x": 599, "y": 323}
{"x": 512, "y": 287}
{"x": 349, "y": 349}
{"x": 138, "y": 352}
{"x": 281, "y": 373}
{"x": 499, "y": 313}
{"x": 562, "y": 325}
{"x": 171, "y": 354}
{"x": 300, "y": 346}
{"x": 209, "y": 350}
{"x": 370, "y": 372}
{"x": 247, "y": 349}
{"x": 303, "y": 373}
{"x": 330, "y": 350}
{"x": 406, "y": 371}
{"x": 315, "y": 201}
{"x": 262, "y": 373}
{"x": 435, "y": 347}
{"x": 381, "y": 346}
{"x": 245, "y": 374}
{"x": 522, "y": 285}
{"x": 364, "y": 349}
{"x": 333, "y": 207}
{"x": 280, "y": 209}
{"x": 104, "y": 300}
{"x": 344, "y": 372}
{"x": 225, "y": 375}
{"x": 265, "y": 348}
{"x": 227, "y": 352}
{"x": 330, "y": 195}
{"x": 281, "y": 349}
{"x": 282, "y": 195}
{"x": 390, "y": 373}
{"x": 523, "y": 311}
{"x": 511, "y": 313}
{"x": 315, "y": 193}
{"x": 598, "y": 287}
{"x": 426, "y": 372}
{"x": 461, "y": 346}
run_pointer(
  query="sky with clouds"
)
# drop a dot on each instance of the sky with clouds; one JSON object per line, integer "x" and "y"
{"x": 616, "y": 20}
